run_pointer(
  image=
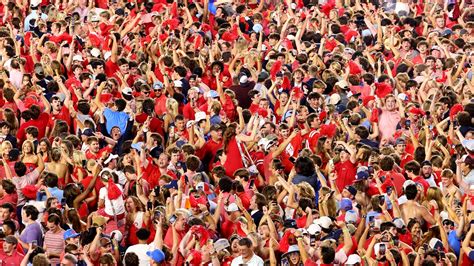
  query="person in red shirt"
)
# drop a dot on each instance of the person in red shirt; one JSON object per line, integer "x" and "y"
{"x": 346, "y": 168}
{"x": 59, "y": 110}
{"x": 412, "y": 170}
{"x": 9, "y": 255}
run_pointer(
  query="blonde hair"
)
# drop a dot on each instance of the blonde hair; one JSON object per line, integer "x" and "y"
{"x": 172, "y": 107}
{"x": 435, "y": 193}
{"x": 27, "y": 142}
{"x": 306, "y": 190}
{"x": 4, "y": 145}
{"x": 78, "y": 157}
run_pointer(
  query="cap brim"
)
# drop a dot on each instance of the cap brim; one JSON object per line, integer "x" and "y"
{"x": 73, "y": 236}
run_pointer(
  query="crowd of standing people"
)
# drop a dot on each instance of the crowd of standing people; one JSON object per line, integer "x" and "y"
{"x": 230, "y": 132}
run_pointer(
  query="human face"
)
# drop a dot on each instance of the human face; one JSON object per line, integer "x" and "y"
{"x": 56, "y": 105}
{"x": 423, "y": 49}
{"x": 426, "y": 170}
{"x": 447, "y": 181}
{"x": 180, "y": 125}
{"x": 390, "y": 103}
{"x": 180, "y": 223}
{"x": 400, "y": 148}
{"x": 264, "y": 231}
{"x": 4, "y": 214}
{"x": 245, "y": 251}
{"x": 94, "y": 146}
{"x": 130, "y": 205}
{"x": 174, "y": 158}
{"x": 253, "y": 203}
{"x": 7, "y": 247}
{"x": 124, "y": 68}
{"x": 294, "y": 258}
{"x": 263, "y": 104}
{"x": 115, "y": 133}
{"x": 344, "y": 156}
{"x": 163, "y": 161}
{"x": 440, "y": 22}
{"x": 51, "y": 226}
{"x": 285, "y": 133}
{"x": 216, "y": 135}
{"x": 283, "y": 99}
{"x": 54, "y": 203}
{"x": 298, "y": 76}
{"x": 416, "y": 230}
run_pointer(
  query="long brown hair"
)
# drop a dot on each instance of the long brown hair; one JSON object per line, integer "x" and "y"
{"x": 230, "y": 132}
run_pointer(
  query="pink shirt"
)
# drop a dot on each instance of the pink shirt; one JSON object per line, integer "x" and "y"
{"x": 388, "y": 121}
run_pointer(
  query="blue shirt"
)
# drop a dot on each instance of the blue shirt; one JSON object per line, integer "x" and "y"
{"x": 454, "y": 242}
{"x": 55, "y": 192}
{"x": 115, "y": 119}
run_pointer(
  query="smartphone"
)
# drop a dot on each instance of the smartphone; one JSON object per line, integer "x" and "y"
{"x": 382, "y": 199}
{"x": 382, "y": 249}
{"x": 442, "y": 254}
{"x": 382, "y": 179}
{"x": 371, "y": 169}
{"x": 312, "y": 240}
{"x": 112, "y": 236}
{"x": 252, "y": 183}
{"x": 63, "y": 202}
{"x": 149, "y": 205}
{"x": 428, "y": 114}
{"x": 396, "y": 242}
{"x": 157, "y": 215}
{"x": 389, "y": 190}
{"x": 157, "y": 191}
{"x": 172, "y": 219}
{"x": 34, "y": 243}
{"x": 407, "y": 123}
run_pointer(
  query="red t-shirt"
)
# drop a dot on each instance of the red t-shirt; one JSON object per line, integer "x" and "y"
{"x": 234, "y": 158}
{"x": 423, "y": 182}
{"x": 62, "y": 115}
{"x": 346, "y": 172}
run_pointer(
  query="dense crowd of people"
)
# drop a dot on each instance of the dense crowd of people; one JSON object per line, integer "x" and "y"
{"x": 234, "y": 133}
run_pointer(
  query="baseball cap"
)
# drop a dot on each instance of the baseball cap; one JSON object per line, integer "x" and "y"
{"x": 110, "y": 158}
{"x": 468, "y": 144}
{"x": 435, "y": 243}
{"x": 400, "y": 141}
{"x": 70, "y": 233}
{"x": 351, "y": 189}
{"x": 178, "y": 83}
{"x": 399, "y": 223}
{"x": 314, "y": 229}
{"x": 172, "y": 184}
{"x": 353, "y": 259}
{"x": 324, "y": 221}
{"x": 351, "y": 217}
{"x": 221, "y": 244}
{"x": 407, "y": 183}
{"x": 290, "y": 223}
{"x": 158, "y": 85}
{"x": 212, "y": 94}
{"x": 291, "y": 249}
{"x": 156, "y": 255}
{"x": 199, "y": 116}
{"x": 232, "y": 207}
{"x": 77, "y": 57}
{"x": 345, "y": 204}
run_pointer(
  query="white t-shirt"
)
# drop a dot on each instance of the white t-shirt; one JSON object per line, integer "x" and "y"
{"x": 254, "y": 261}
{"x": 140, "y": 250}
{"x": 118, "y": 203}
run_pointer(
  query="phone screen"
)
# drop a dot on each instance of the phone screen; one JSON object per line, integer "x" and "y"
{"x": 172, "y": 219}
{"x": 149, "y": 205}
{"x": 252, "y": 183}
{"x": 382, "y": 249}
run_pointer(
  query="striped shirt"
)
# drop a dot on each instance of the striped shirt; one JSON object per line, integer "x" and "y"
{"x": 54, "y": 243}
